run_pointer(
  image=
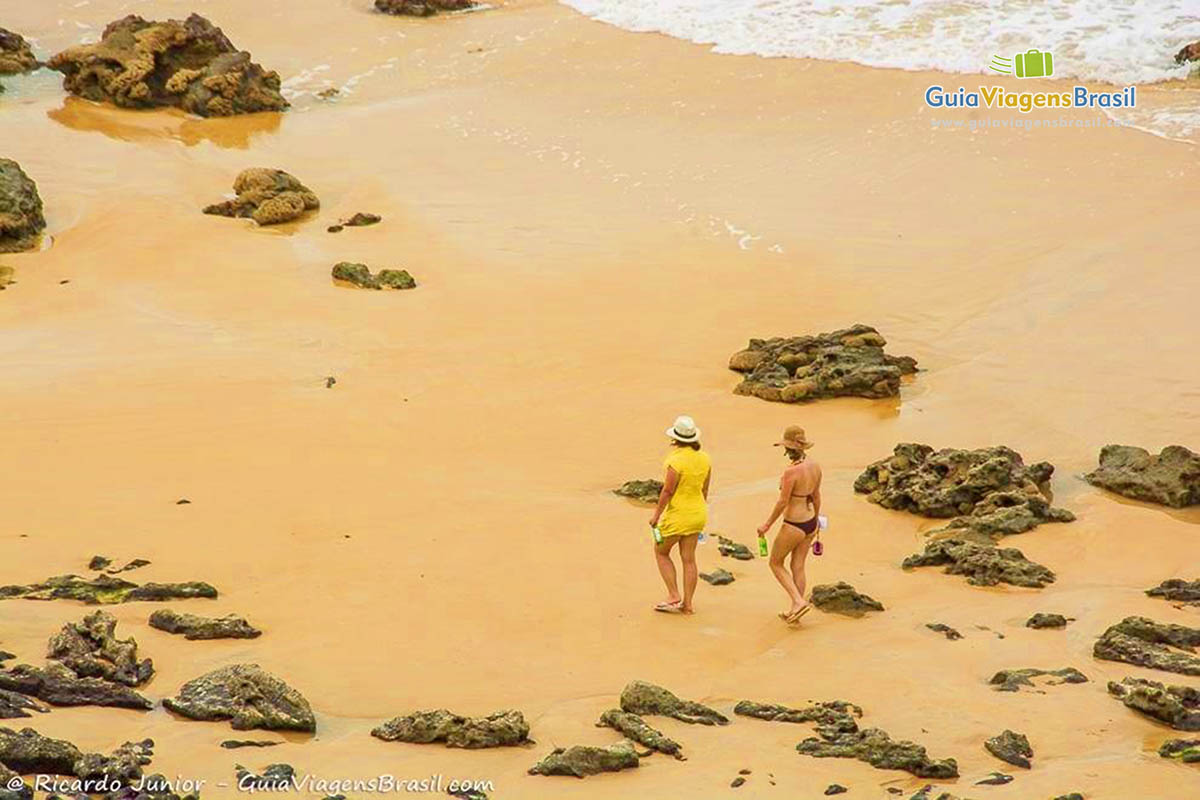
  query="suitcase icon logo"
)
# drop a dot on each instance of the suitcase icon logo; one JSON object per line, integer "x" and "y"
{"x": 1034, "y": 64}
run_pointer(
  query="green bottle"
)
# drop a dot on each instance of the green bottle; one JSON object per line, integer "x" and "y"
{"x": 657, "y": 534}
{"x": 762, "y": 546}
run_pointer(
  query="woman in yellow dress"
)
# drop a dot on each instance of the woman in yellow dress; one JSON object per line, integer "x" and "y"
{"x": 682, "y": 513}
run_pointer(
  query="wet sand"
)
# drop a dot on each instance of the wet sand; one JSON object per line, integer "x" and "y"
{"x": 597, "y": 220}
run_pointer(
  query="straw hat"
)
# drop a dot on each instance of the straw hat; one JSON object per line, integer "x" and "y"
{"x": 794, "y": 439}
{"x": 684, "y": 430}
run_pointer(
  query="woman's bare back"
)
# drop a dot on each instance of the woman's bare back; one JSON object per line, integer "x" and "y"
{"x": 806, "y": 480}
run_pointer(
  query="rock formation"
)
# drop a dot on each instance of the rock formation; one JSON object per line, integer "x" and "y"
{"x": 1011, "y": 747}
{"x": 1146, "y": 643}
{"x": 91, "y": 649}
{"x": 268, "y": 196}
{"x": 421, "y": 8}
{"x": 1041, "y": 620}
{"x": 275, "y": 778}
{"x": 982, "y": 564}
{"x": 21, "y": 220}
{"x": 1012, "y": 680}
{"x": 189, "y": 64}
{"x": 501, "y": 729}
{"x": 849, "y": 362}
{"x": 942, "y": 628}
{"x": 879, "y": 750}
{"x": 989, "y": 492}
{"x": 1171, "y": 478}
{"x": 646, "y": 491}
{"x": 645, "y": 698}
{"x": 1186, "y": 750}
{"x": 718, "y": 577}
{"x": 360, "y": 220}
{"x": 14, "y": 705}
{"x": 1177, "y": 706}
{"x": 841, "y": 598}
{"x": 832, "y": 716}
{"x": 59, "y": 686}
{"x": 1178, "y": 589}
{"x": 582, "y": 760}
{"x": 245, "y": 695}
{"x": 30, "y": 752}
{"x": 1190, "y": 52}
{"x": 732, "y": 549}
{"x": 194, "y": 627}
{"x": 634, "y": 727}
{"x": 15, "y": 54}
{"x": 106, "y": 590}
{"x": 361, "y": 276}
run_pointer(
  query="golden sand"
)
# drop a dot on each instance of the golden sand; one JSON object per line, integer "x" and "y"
{"x": 597, "y": 220}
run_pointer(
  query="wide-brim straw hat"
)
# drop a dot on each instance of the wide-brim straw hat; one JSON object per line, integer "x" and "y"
{"x": 794, "y": 439}
{"x": 684, "y": 430}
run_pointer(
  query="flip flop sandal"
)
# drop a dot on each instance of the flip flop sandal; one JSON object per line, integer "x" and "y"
{"x": 669, "y": 608}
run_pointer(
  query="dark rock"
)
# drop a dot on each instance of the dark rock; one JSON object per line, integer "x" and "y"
{"x": 1012, "y": 680}
{"x": 1071, "y": 796}
{"x": 583, "y": 760}
{"x": 1177, "y": 589}
{"x": 501, "y": 729}
{"x": 235, "y": 744}
{"x": 91, "y": 649}
{"x": 421, "y": 8}
{"x": 247, "y": 696}
{"x": 194, "y": 627}
{"x": 995, "y": 779}
{"x": 359, "y": 220}
{"x": 137, "y": 563}
{"x": 728, "y": 547}
{"x": 833, "y": 716}
{"x": 1177, "y": 706}
{"x": 15, "y": 54}
{"x": 849, "y": 362}
{"x": 1146, "y": 643}
{"x": 743, "y": 771}
{"x": 990, "y": 492}
{"x": 926, "y": 793}
{"x": 268, "y": 196}
{"x": 1190, "y": 52}
{"x": 1011, "y": 747}
{"x": 106, "y": 590}
{"x": 982, "y": 564}
{"x": 59, "y": 686}
{"x": 1186, "y": 750}
{"x": 189, "y": 64}
{"x": 841, "y": 598}
{"x": 1041, "y": 620}
{"x": 1171, "y": 478}
{"x": 643, "y": 698}
{"x": 21, "y": 219}
{"x": 14, "y": 705}
{"x": 835, "y": 788}
{"x": 646, "y": 491}
{"x": 877, "y": 749}
{"x": 276, "y": 777}
{"x": 29, "y": 752}
{"x": 99, "y": 563}
{"x": 361, "y": 276}
{"x": 939, "y": 627}
{"x": 183, "y": 501}
{"x": 330, "y": 381}
{"x": 736, "y": 782}
{"x": 634, "y": 727}
{"x": 718, "y": 577}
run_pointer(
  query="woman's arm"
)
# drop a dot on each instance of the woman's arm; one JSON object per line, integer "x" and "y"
{"x": 707, "y": 481}
{"x": 785, "y": 495}
{"x": 815, "y": 496}
{"x": 668, "y": 491}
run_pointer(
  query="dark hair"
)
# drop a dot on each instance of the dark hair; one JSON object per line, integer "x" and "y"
{"x": 795, "y": 454}
{"x": 693, "y": 445}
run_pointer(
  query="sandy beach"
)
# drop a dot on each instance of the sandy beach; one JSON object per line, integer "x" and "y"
{"x": 597, "y": 220}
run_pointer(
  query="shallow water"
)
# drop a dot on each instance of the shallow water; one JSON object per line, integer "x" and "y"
{"x": 597, "y": 220}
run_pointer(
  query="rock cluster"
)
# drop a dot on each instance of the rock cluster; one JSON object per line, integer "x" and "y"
{"x": 501, "y": 729}
{"x": 29, "y": 752}
{"x": 14, "y": 705}
{"x": 879, "y": 750}
{"x": 832, "y": 716}
{"x": 732, "y": 549}
{"x": 421, "y": 8}
{"x": 362, "y": 277}
{"x": 634, "y": 727}
{"x": 1041, "y": 620}
{"x": 268, "y": 196}
{"x": 1177, "y": 706}
{"x": 360, "y": 219}
{"x": 848, "y": 362}
{"x": 841, "y": 598}
{"x": 1177, "y": 589}
{"x": 982, "y": 564}
{"x": 245, "y": 695}
{"x": 59, "y": 686}
{"x": 1012, "y": 680}
{"x": 189, "y": 64}
{"x": 1011, "y": 747}
{"x": 646, "y": 491}
{"x": 194, "y": 627}
{"x": 643, "y": 698}
{"x": 1171, "y": 478}
{"x": 21, "y": 219}
{"x": 106, "y": 590}
{"x": 91, "y": 649}
{"x": 15, "y": 54}
{"x": 1146, "y": 643}
{"x": 989, "y": 492}
{"x": 582, "y": 760}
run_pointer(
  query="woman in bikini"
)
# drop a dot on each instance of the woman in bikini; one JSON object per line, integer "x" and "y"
{"x": 681, "y": 513}
{"x": 800, "y": 504}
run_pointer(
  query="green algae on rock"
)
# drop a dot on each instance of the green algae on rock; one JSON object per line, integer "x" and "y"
{"x": 361, "y": 276}
{"x": 1012, "y": 680}
{"x": 247, "y": 696}
{"x": 194, "y": 627}
{"x": 1012, "y": 748}
{"x": 421, "y": 8}
{"x": 982, "y": 564}
{"x": 29, "y": 752}
{"x": 841, "y": 598}
{"x": 875, "y": 747}
{"x": 643, "y": 698}
{"x": 634, "y": 727}
{"x": 1146, "y": 643}
{"x": 1186, "y": 750}
{"x": 91, "y": 649}
{"x": 21, "y": 217}
{"x": 106, "y": 590}
{"x": 501, "y": 729}
{"x": 646, "y": 491}
{"x": 1171, "y": 478}
{"x": 59, "y": 686}
{"x": 834, "y": 716}
{"x": 845, "y": 363}
{"x": 1041, "y": 620}
{"x": 1177, "y": 706}
{"x": 189, "y": 64}
{"x": 268, "y": 196}
{"x": 15, "y": 54}
{"x": 583, "y": 760}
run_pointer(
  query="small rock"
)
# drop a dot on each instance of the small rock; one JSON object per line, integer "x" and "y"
{"x": 1146, "y": 643}
{"x": 137, "y": 563}
{"x": 1177, "y": 706}
{"x": 16, "y": 56}
{"x": 939, "y": 627}
{"x": 634, "y": 727}
{"x": 21, "y": 217}
{"x": 276, "y": 777}
{"x": 835, "y": 788}
{"x": 736, "y": 782}
{"x": 106, "y": 590}
{"x": 91, "y": 649}
{"x": 645, "y": 698}
{"x": 728, "y": 547}
{"x": 501, "y": 729}
{"x": 1011, "y": 680}
{"x": 59, "y": 686}
{"x": 268, "y": 196}
{"x": 1041, "y": 620}
{"x": 1013, "y": 748}
{"x": 834, "y": 716}
{"x": 718, "y": 577}
{"x": 421, "y": 8}
{"x": 743, "y": 771}
{"x": 329, "y": 94}
{"x": 183, "y": 501}
{"x": 583, "y": 760}
{"x": 193, "y": 627}
{"x": 876, "y": 748}
{"x": 330, "y": 381}
{"x": 247, "y": 696}
{"x": 841, "y": 598}
{"x": 15, "y": 706}
{"x": 646, "y": 491}
{"x": 235, "y": 744}
{"x": 995, "y": 779}
{"x": 361, "y": 276}
{"x": 983, "y": 565}
{"x": 99, "y": 563}
{"x": 1177, "y": 589}
{"x": 1186, "y": 750}
{"x": 1171, "y": 478}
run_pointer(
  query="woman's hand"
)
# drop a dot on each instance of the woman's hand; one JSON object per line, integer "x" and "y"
{"x": 762, "y": 530}
{"x": 654, "y": 521}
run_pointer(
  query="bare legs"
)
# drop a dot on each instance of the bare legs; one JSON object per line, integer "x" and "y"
{"x": 791, "y": 541}
{"x": 666, "y": 568}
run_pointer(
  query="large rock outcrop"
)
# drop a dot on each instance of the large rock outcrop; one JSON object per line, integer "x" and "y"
{"x": 634, "y": 727}
{"x": 1146, "y": 643}
{"x": 189, "y": 64}
{"x": 501, "y": 729}
{"x": 247, "y": 696}
{"x": 990, "y": 492}
{"x": 1177, "y": 706}
{"x": 59, "y": 686}
{"x": 15, "y": 54}
{"x": 643, "y": 698}
{"x": 842, "y": 598}
{"x": 1171, "y": 478}
{"x": 582, "y": 760}
{"x": 268, "y": 196}
{"x": 91, "y": 649}
{"x": 982, "y": 564}
{"x": 194, "y": 627}
{"x": 422, "y": 8}
{"x": 106, "y": 590}
{"x": 879, "y": 750}
{"x": 848, "y": 362}
{"x": 21, "y": 219}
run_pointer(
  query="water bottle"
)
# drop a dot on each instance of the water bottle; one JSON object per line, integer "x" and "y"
{"x": 762, "y": 546}
{"x": 657, "y": 534}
